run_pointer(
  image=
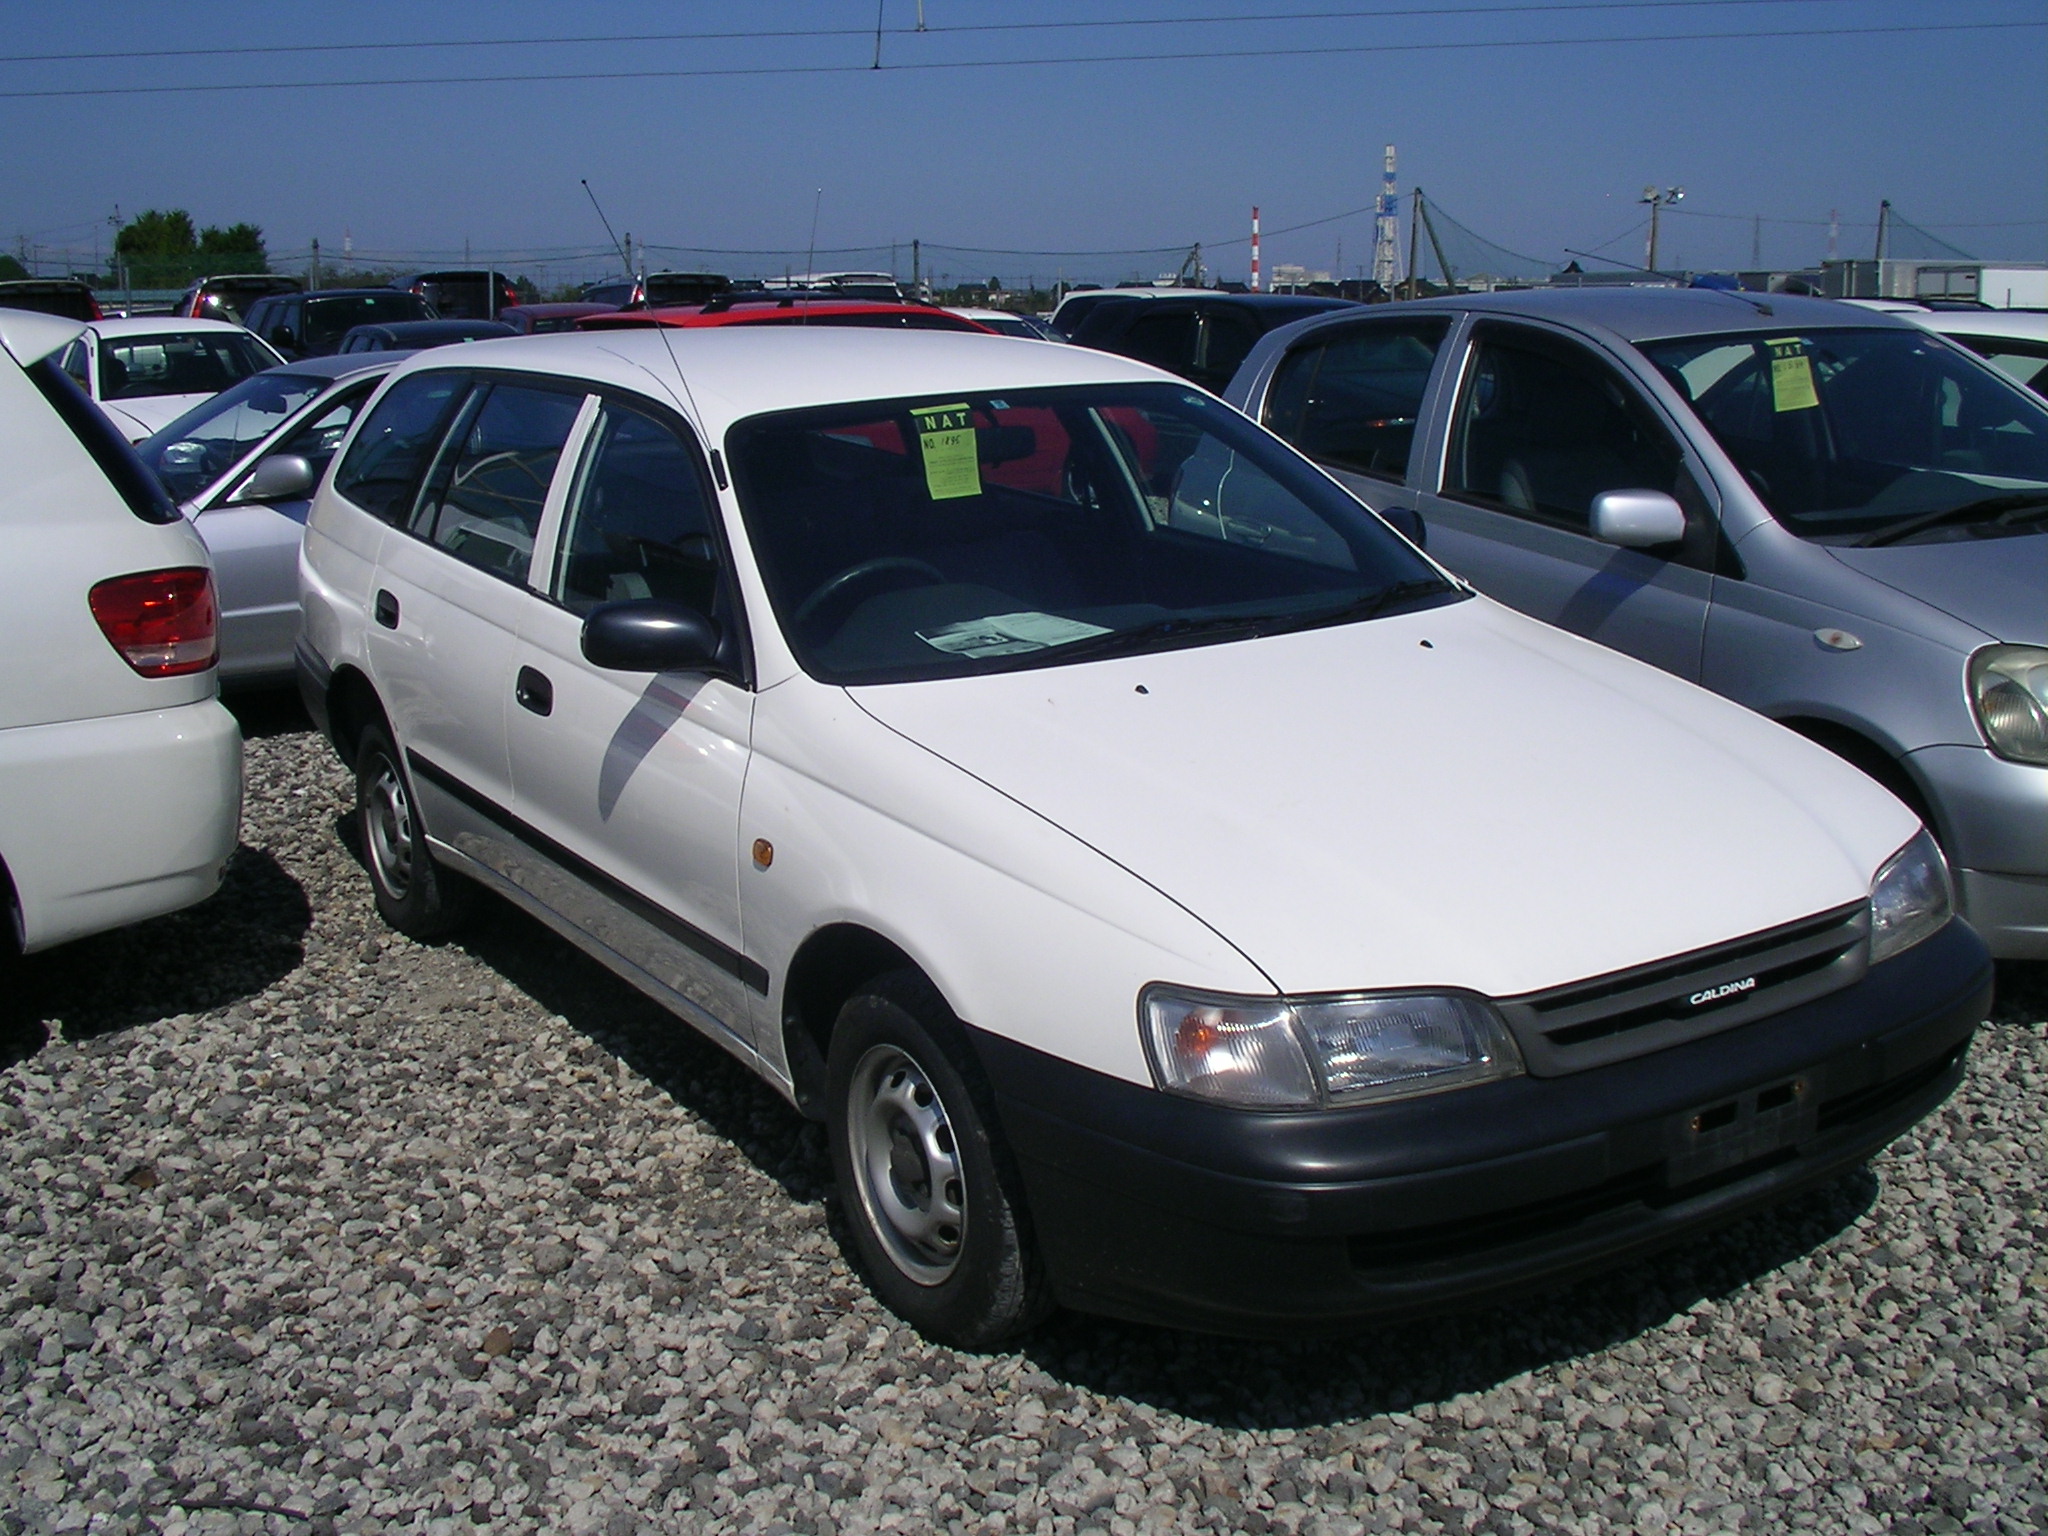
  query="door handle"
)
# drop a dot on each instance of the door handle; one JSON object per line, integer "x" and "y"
{"x": 534, "y": 692}
{"x": 387, "y": 609}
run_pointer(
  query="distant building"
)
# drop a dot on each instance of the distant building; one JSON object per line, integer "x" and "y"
{"x": 2002, "y": 285}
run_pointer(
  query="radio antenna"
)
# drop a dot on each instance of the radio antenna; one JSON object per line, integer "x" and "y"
{"x": 811, "y": 254}
{"x": 625, "y": 261}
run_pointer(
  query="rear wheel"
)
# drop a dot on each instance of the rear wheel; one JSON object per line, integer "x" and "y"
{"x": 934, "y": 1206}
{"x": 414, "y": 894}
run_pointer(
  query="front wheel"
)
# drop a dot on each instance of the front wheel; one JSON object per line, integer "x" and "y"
{"x": 935, "y": 1212}
{"x": 414, "y": 894}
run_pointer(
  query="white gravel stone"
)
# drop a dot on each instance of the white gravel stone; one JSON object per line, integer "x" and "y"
{"x": 305, "y": 1227}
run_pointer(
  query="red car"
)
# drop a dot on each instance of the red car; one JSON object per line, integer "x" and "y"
{"x": 780, "y": 309}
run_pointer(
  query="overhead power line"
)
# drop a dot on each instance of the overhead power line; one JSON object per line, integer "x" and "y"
{"x": 1192, "y": 55}
{"x": 961, "y": 29}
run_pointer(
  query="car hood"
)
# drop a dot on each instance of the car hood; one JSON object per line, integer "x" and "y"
{"x": 1456, "y": 797}
{"x": 149, "y": 415}
{"x": 1995, "y": 584}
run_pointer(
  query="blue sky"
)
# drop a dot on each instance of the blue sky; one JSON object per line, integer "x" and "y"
{"x": 1538, "y": 147}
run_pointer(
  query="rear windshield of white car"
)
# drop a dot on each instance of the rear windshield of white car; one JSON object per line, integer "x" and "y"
{"x": 204, "y": 443}
{"x": 1869, "y": 436}
{"x": 141, "y": 490}
{"x": 203, "y": 363}
{"x": 953, "y": 534}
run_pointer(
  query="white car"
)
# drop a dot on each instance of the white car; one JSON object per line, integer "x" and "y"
{"x": 120, "y": 772}
{"x": 147, "y": 372}
{"x": 1010, "y": 322}
{"x": 2012, "y": 340}
{"x": 1179, "y": 897}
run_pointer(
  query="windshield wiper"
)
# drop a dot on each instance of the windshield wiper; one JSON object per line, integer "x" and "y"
{"x": 1988, "y": 509}
{"x": 1120, "y": 642}
{"x": 1373, "y": 603}
{"x": 1238, "y": 626}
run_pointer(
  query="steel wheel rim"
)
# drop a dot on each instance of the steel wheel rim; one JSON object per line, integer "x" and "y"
{"x": 906, "y": 1165}
{"x": 387, "y": 815}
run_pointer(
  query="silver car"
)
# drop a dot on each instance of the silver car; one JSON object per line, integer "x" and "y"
{"x": 1834, "y": 516}
{"x": 242, "y": 466}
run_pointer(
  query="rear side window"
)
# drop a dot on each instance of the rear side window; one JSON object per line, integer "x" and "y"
{"x": 141, "y": 490}
{"x": 483, "y": 501}
{"x": 382, "y": 466}
{"x": 1351, "y": 397}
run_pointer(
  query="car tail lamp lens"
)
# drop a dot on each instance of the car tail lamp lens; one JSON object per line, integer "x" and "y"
{"x": 164, "y": 623}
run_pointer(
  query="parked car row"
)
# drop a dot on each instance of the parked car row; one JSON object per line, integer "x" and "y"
{"x": 854, "y": 695}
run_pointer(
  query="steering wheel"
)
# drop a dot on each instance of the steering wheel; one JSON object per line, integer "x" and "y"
{"x": 836, "y": 586}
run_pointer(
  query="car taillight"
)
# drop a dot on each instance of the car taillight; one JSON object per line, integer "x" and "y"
{"x": 164, "y": 623}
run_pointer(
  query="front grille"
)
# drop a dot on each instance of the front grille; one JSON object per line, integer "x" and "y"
{"x": 1631, "y": 1013}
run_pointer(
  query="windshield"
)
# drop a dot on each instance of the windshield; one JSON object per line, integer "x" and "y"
{"x": 925, "y": 538}
{"x": 329, "y": 319}
{"x": 204, "y": 443}
{"x": 1847, "y": 435}
{"x": 175, "y": 363}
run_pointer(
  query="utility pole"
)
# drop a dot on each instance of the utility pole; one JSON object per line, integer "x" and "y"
{"x": 1756, "y": 241}
{"x": 313, "y": 283}
{"x": 1658, "y": 201}
{"x": 1884, "y": 220}
{"x": 917, "y": 267}
{"x": 1834, "y": 234}
{"x": 1255, "y": 247}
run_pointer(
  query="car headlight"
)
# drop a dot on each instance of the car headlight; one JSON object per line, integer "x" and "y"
{"x": 1910, "y": 898}
{"x": 1308, "y": 1052}
{"x": 2009, "y": 692}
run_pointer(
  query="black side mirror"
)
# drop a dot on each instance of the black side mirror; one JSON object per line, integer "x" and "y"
{"x": 649, "y": 634}
{"x": 1408, "y": 523}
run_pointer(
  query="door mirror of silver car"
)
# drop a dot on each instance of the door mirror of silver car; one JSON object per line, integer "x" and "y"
{"x": 649, "y": 634}
{"x": 281, "y": 477}
{"x": 1637, "y": 519}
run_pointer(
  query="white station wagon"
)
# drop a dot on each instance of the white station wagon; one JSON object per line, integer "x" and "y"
{"x": 1180, "y": 898}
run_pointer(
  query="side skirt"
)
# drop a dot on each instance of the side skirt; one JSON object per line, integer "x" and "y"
{"x": 675, "y": 1002}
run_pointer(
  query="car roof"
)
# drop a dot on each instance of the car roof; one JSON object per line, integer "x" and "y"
{"x": 342, "y": 365}
{"x": 165, "y": 325}
{"x": 2020, "y": 324}
{"x": 349, "y": 293}
{"x": 764, "y": 310}
{"x": 553, "y": 311}
{"x": 729, "y": 373}
{"x": 1655, "y": 314}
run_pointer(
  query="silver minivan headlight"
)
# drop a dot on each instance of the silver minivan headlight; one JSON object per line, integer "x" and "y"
{"x": 1311, "y": 1052}
{"x": 1910, "y": 898}
{"x": 2009, "y": 693}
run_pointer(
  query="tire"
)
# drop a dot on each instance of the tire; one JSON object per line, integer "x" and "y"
{"x": 930, "y": 1195}
{"x": 414, "y": 894}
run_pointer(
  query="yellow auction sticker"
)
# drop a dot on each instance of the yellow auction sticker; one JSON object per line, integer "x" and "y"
{"x": 945, "y": 433}
{"x": 1791, "y": 376}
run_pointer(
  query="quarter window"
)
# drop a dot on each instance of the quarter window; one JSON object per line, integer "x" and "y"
{"x": 639, "y": 522}
{"x": 1543, "y": 429}
{"x": 382, "y": 465}
{"x": 483, "y": 501}
{"x": 1352, "y": 396}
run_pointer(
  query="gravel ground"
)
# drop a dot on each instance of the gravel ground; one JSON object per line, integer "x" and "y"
{"x": 304, "y": 1227}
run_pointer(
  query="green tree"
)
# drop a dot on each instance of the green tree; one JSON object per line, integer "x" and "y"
{"x": 161, "y": 249}
{"x": 11, "y": 271}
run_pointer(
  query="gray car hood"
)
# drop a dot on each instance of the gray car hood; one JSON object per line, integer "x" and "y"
{"x": 1998, "y": 585}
